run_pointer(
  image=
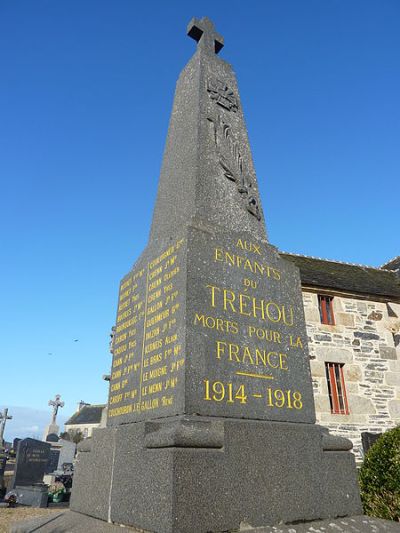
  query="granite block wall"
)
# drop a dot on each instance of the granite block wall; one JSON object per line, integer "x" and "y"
{"x": 366, "y": 340}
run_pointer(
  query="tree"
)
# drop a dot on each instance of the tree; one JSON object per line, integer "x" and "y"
{"x": 74, "y": 435}
{"x": 77, "y": 436}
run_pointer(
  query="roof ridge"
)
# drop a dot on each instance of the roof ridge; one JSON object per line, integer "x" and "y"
{"x": 333, "y": 261}
{"x": 390, "y": 261}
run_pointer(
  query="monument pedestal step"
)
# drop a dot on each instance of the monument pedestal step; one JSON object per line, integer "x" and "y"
{"x": 77, "y": 523}
{"x": 189, "y": 474}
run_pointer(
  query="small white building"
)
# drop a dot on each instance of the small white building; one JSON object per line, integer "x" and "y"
{"x": 87, "y": 418}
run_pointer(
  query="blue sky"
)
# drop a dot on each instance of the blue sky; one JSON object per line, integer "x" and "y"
{"x": 86, "y": 90}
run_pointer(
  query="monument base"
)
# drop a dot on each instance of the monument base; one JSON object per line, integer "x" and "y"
{"x": 32, "y": 495}
{"x": 51, "y": 429}
{"x": 191, "y": 474}
{"x": 77, "y": 523}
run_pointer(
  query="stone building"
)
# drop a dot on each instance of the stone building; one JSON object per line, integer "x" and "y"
{"x": 353, "y": 323}
{"x": 86, "y": 418}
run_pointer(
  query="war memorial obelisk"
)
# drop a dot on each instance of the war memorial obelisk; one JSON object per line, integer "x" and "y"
{"x": 211, "y": 422}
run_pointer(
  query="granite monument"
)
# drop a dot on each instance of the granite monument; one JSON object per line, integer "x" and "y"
{"x": 211, "y": 412}
{"x": 211, "y": 423}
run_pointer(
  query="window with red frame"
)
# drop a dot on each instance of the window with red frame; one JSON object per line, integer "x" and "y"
{"x": 325, "y": 304}
{"x": 337, "y": 388}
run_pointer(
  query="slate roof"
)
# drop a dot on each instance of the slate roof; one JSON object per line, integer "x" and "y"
{"x": 346, "y": 277}
{"x": 89, "y": 414}
{"x": 393, "y": 264}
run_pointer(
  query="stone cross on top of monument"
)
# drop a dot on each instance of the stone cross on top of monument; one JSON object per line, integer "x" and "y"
{"x": 204, "y": 33}
{"x": 207, "y": 161}
{"x": 56, "y": 403}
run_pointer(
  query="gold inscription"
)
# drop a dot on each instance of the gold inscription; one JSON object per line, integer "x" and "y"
{"x": 147, "y": 307}
{"x": 243, "y": 263}
{"x": 219, "y": 324}
{"x": 248, "y": 246}
{"x": 235, "y": 353}
{"x": 246, "y": 305}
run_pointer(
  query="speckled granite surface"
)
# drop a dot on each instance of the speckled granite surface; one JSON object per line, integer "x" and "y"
{"x": 77, "y": 523}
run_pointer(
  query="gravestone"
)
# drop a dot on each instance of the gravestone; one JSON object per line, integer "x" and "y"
{"x": 31, "y": 461}
{"x": 3, "y": 462}
{"x": 67, "y": 453}
{"x": 62, "y": 455}
{"x": 30, "y": 466}
{"x": 54, "y": 458}
{"x": 211, "y": 422}
{"x": 52, "y": 437}
{"x": 368, "y": 440}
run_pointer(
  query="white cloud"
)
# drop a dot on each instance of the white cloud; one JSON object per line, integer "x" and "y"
{"x": 28, "y": 422}
{"x": 31, "y": 429}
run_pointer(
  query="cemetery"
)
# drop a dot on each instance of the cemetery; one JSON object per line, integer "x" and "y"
{"x": 211, "y": 423}
{"x": 42, "y": 470}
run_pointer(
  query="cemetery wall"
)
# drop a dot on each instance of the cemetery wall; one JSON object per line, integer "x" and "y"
{"x": 363, "y": 341}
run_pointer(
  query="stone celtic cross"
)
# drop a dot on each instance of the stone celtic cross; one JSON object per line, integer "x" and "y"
{"x": 204, "y": 33}
{"x": 4, "y": 416}
{"x": 56, "y": 403}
